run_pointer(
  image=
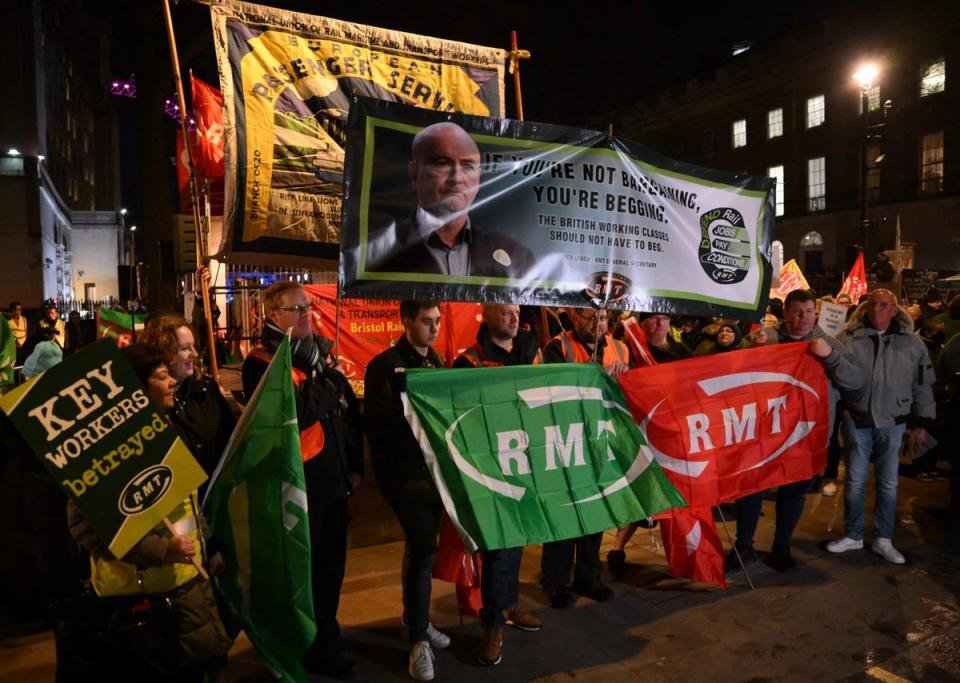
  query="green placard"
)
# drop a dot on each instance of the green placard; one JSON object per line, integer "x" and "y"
{"x": 91, "y": 423}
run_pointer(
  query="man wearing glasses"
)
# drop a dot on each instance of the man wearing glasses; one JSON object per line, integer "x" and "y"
{"x": 587, "y": 342}
{"x": 332, "y": 450}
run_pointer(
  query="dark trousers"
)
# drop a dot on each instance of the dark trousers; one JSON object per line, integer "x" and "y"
{"x": 419, "y": 517}
{"x": 557, "y": 561}
{"x": 499, "y": 585}
{"x": 834, "y": 450}
{"x": 328, "y": 559}
{"x": 789, "y": 507}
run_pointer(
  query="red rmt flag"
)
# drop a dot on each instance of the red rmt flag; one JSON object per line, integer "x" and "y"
{"x": 855, "y": 283}
{"x": 725, "y": 426}
{"x": 208, "y": 112}
{"x": 692, "y": 545}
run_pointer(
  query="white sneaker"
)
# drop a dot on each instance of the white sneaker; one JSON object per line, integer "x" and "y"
{"x": 437, "y": 638}
{"x": 842, "y": 545}
{"x": 421, "y": 662}
{"x": 829, "y": 489}
{"x": 884, "y": 548}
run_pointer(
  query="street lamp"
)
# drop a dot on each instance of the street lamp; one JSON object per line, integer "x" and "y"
{"x": 133, "y": 258}
{"x": 865, "y": 76}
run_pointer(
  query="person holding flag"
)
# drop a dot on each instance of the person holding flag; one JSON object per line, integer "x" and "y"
{"x": 653, "y": 344}
{"x": 587, "y": 342}
{"x": 403, "y": 477}
{"x": 500, "y": 342}
{"x": 840, "y": 366}
{"x": 331, "y": 449}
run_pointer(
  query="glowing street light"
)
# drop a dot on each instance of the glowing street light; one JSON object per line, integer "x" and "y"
{"x": 865, "y": 76}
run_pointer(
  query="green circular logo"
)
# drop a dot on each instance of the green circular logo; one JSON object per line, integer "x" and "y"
{"x": 724, "y": 246}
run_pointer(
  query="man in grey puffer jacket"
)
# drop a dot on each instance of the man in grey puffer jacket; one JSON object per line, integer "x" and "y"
{"x": 897, "y": 394}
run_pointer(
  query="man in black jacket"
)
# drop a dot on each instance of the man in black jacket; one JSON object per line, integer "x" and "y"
{"x": 402, "y": 473}
{"x": 440, "y": 238}
{"x": 328, "y": 417}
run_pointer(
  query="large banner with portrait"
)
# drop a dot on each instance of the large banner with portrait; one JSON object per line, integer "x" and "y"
{"x": 469, "y": 208}
{"x": 287, "y": 81}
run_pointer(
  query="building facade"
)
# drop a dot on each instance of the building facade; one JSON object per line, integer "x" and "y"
{"x": 852, "y": 160}
{"x": 58, "y": 156}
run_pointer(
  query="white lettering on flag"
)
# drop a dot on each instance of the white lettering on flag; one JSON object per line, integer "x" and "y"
{"x": 291, "y": 494}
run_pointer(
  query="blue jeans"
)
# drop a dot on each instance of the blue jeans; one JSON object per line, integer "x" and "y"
{"x": 884, "y": 444}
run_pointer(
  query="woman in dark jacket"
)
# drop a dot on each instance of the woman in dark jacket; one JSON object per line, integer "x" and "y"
{"x": 200, "y": 411}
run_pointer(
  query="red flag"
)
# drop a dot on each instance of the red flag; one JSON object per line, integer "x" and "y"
{"x": 455, "y": 565}
{"x": 215, "y": 194}
{"x": 637, "y": 339}
{"x": 459, "y": 330}
{"x": 727, "y": 425}
{"x": 208, "y": 112}
{"x": 693, "y": 546}
{"x": 856, "y": 282}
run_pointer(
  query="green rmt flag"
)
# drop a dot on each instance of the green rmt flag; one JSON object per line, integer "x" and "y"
{"x": 257, "y": 509}
{"x": 532, "y": 454}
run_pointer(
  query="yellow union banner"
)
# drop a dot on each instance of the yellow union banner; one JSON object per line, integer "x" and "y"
{"x": 288, "y": 80}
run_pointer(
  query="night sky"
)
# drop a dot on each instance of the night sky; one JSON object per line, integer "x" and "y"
{"x": 587, "y": 57}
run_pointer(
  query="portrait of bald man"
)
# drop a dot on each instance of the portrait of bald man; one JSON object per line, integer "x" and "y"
{"x": 441, "y": 238}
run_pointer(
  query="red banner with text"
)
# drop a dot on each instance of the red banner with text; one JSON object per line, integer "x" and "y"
{"x": 369, "y": 326}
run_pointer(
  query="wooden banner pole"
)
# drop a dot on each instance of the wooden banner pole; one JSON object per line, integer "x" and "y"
{"x": 194, "y": 196}
{"x": 513, "y": 67}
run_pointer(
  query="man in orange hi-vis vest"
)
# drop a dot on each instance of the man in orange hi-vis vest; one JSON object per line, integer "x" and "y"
{"x": 331, "y": 446}
{"x": 588, "y": 341}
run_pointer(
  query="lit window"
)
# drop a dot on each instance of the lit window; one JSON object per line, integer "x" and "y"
{"x": 934, "y": 78}
{"x": 774, "y": 123}
{"x": 817, "y": 184}
{"x": 776, "y": 172}
{"x": 873, "y": 99}
{"x": 931, "y": 163}
{"x": 811, "y": 239}
{"x": 816, "y": 111}
{"x": 740, "y": 133}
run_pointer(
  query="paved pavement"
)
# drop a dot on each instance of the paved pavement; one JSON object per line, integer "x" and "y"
{"x": 852, "y": 617}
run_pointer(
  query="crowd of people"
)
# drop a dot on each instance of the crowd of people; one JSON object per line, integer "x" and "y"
{"x": 41, "y": 346}
{"x": 893, "y": 380}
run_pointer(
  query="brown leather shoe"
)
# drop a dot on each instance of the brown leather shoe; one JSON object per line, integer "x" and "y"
{"x": 491, "y": 648}
{"x": 521, "y": 619}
